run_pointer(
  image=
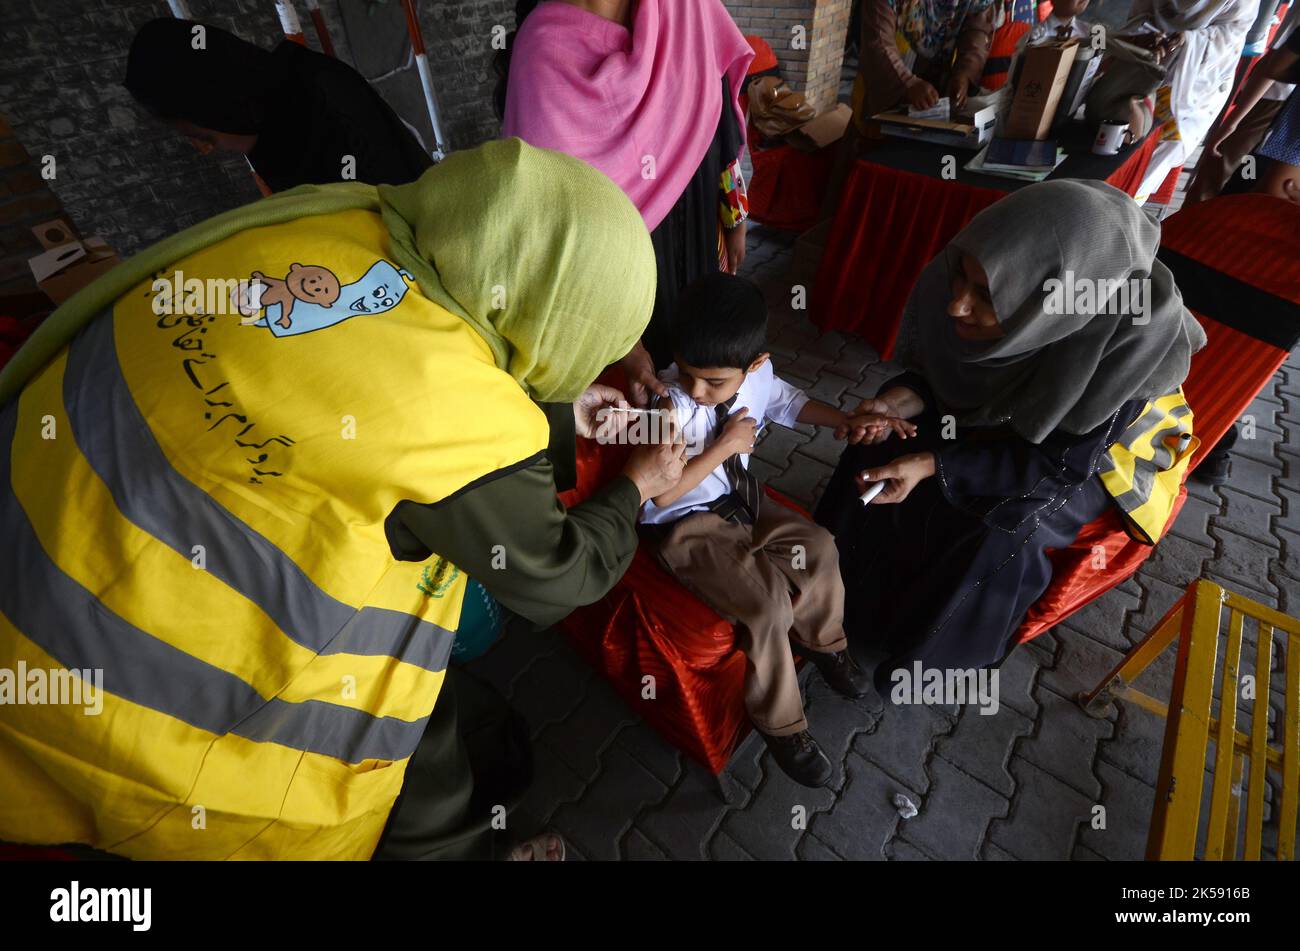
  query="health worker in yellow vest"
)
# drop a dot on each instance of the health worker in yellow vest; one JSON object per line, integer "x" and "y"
{"x": 1045, "y": 351}
{"x": 246, "y": 476}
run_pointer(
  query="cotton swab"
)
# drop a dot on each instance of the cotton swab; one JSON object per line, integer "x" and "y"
{"x": 874, "y": 489}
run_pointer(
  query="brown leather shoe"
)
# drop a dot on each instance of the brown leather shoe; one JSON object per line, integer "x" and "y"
{"x": 800, "y": 758}
{"x": 841, "y": 673}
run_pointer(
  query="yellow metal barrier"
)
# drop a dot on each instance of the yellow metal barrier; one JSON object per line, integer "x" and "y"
{"x": 1195, "y": 620}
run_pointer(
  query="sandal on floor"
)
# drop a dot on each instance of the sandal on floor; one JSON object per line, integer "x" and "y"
{"x": 548, "y": 845}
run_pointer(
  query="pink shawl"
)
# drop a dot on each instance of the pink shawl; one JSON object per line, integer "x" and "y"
{"x": 643, "y": 106}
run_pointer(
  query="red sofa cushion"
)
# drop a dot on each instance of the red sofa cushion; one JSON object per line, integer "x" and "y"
{"x": 648, "y": 625}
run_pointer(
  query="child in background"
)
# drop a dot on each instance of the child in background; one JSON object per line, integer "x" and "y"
{"x": 744, "y": 555}
{"x": 1062, "y": 23}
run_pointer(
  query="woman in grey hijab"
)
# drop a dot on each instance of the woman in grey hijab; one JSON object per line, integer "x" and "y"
{"x": 1031, "y": 344}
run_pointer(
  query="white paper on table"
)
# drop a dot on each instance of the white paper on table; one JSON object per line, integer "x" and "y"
{"x": 940, "y": 110}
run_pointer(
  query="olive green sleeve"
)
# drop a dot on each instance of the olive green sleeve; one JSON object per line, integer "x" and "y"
{"x": 513, "y": 536}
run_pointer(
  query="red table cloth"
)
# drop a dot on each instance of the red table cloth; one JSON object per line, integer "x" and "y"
{"x": 788, "y": 185}
{"x": 893, "y": 221}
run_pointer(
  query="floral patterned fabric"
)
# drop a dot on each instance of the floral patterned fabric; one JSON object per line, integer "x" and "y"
{"x": 931, "y": 26}
{"x": 734, "y": 199}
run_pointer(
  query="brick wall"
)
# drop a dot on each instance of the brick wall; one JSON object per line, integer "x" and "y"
{"x": 121, "y": 174}
{"x": 826, "y": 52}
{"x": 774, "y": 21}
{"x": 813, "y": 70}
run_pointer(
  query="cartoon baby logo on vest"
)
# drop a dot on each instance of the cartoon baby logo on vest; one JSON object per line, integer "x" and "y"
{"x": 311, "y": 297}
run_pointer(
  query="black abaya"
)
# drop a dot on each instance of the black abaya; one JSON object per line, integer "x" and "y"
{"x": 946, "y": 576}
{"x": 326, "y": 121}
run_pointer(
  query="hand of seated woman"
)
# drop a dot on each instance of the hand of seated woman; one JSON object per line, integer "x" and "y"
{"x": 899, "y": 402}
{"x": 873, "y": 426}
{"x": 901, "y": 476}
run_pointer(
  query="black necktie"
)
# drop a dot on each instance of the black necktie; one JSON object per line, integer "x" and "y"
{"x": 741, "y": 503}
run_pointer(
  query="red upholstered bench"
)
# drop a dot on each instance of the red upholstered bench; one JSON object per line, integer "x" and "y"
{"x": 648, "y": 626}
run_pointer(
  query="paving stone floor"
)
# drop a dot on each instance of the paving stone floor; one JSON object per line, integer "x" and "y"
{"x": 1022, "y": 784}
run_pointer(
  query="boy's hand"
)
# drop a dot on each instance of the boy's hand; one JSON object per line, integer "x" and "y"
{"x": 739, "y": 433}
{"x": 872, "y": 428}
{"x": 872, "y": 422}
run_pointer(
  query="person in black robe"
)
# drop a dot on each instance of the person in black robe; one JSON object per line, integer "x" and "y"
{"x": 1016, "y": 406}
{"x": 299, "y": 116}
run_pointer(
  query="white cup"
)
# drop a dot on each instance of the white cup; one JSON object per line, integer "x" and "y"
{"x": 1110, "y": 137}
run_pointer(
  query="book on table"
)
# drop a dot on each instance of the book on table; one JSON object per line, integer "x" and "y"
{"x": 1020, "y": 155}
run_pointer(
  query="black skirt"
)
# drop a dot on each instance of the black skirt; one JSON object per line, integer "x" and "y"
{"x": 925, "y": 580}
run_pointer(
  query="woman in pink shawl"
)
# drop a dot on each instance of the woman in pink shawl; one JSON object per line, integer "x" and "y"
{"x": 647, "y": 92}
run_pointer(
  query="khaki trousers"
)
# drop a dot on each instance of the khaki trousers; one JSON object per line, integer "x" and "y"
{"x": 749, "y": 575}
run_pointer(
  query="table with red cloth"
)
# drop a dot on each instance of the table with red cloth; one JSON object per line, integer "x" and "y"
{"x": 897, "y": 212}
{"x": 1236, "y": 260}
{"x": 788, "y": 184}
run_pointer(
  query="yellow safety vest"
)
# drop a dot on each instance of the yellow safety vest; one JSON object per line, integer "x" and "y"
{"x": 1143, "y": 471}
{"x": 193, "y": 504}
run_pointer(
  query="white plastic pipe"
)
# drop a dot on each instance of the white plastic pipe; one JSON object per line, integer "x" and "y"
{"x": 289, "y": 22}
{"x": 426, "y": 79}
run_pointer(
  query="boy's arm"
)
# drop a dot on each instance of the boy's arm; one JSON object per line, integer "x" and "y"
{"x": 822, "y": 414}
{"x": 737, "y": 435}
{"x": 865, "y": 420}
{"x": 696, "y": 471}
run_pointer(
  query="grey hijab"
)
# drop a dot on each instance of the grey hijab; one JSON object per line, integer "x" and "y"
{"x": 1052, "y": 370}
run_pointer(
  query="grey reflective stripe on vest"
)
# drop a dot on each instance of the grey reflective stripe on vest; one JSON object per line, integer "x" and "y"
{"x": 118, "y": 444}
{"x": 1144, "y": 478}
{"x": 1145, "y": 470}
{"x": 70, "y": 624}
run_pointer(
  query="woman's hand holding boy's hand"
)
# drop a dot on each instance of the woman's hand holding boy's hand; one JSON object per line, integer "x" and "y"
{"x": 740, "y": 432}
{"x": 873, "y": 425}
{"x": 898, "y": 404}
{"x": 901, "y": 476}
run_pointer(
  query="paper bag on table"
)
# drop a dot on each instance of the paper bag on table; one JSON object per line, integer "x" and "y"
{"x": 1040, "y": 82}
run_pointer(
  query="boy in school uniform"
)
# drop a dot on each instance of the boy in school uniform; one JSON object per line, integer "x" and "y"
{"x": 744, "y": 555}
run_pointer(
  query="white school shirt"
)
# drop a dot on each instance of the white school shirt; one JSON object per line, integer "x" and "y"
{"x": 1046, "y": 30}
{"x": 766, "y": 396}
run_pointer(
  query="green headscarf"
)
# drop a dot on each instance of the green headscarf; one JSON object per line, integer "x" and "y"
{"x": 550, "y": 239}
{"x": 547, "y": 236}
